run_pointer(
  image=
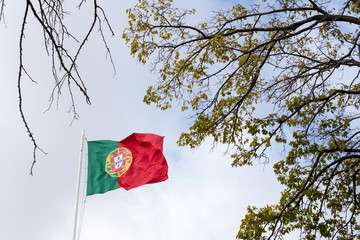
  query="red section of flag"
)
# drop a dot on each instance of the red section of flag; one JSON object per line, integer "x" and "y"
{"x": 148, "y": 165}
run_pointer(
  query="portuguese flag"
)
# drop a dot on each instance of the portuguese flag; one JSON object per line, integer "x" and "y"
{"x": 130, "y": 163}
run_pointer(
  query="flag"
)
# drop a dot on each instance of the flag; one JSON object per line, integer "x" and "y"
{"x": 130, "y": 163}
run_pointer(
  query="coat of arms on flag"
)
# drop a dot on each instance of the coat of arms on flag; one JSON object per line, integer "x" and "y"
{"x": 118, "y": 162}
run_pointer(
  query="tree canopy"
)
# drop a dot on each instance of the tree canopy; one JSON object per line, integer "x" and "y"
{"x": 281, "y": 73}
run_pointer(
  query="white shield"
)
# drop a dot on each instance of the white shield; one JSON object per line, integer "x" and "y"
{"x": 118, "y": 161}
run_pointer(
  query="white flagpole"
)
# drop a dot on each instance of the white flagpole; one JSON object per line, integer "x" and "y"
{"x": 78, "y": 184}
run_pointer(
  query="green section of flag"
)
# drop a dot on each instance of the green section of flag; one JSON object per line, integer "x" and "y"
{"x": 98, "y": 180}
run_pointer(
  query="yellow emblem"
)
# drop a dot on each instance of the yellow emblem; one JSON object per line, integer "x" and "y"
{"x": 118, "y": 162}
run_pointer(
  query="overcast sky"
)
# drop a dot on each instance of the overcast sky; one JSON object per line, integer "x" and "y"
{"x": 204, "y": 198}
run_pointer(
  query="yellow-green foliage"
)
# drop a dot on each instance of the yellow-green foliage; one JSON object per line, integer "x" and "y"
{"x": 299, "y": 58}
